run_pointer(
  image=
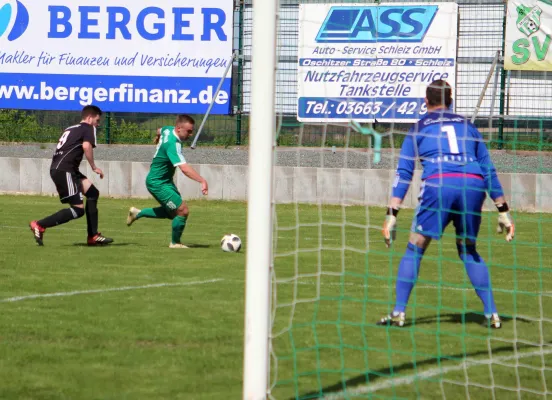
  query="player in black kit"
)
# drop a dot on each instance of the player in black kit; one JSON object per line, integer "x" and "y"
{"x": 71, "y": 184}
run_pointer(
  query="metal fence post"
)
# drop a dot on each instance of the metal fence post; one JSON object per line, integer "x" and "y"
{"x": 502, "y": 85}
{"x": 541, "y": 134}
{"x": 108, "y": 128}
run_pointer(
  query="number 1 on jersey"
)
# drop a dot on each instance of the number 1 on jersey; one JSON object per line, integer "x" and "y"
{"x": 452, "y": 140}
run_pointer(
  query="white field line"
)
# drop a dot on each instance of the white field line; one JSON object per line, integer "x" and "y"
{"x": 409, "y": 379}
{"x": 95, "y": 291}
{"x": 226, "y": 281}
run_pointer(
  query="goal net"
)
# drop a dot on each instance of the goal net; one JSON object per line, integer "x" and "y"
{"x": 350, "y": 83}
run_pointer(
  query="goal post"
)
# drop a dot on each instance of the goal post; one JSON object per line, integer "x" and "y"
{"x": 259, "y": 210}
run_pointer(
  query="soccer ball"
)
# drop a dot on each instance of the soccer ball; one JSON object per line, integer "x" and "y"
{"x": 231, "y": 243}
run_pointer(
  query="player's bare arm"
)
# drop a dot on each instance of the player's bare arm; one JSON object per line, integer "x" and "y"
{"x": 191, "y": 173}
{"x": 89, "y": 154}
{"x": 157, "y": 136}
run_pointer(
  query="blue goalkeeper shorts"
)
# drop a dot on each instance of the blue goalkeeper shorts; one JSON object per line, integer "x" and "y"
{"x": 450, "y": 197}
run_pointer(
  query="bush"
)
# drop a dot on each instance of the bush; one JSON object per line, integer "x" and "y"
{"x": 122, "y": 131}
{"x": 19, "y": 126}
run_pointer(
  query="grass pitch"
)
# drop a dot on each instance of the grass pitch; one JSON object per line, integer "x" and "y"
{"x": 137, "y": 320}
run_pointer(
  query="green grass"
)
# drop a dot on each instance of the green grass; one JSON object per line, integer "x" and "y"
{"x": 186, "y": 341}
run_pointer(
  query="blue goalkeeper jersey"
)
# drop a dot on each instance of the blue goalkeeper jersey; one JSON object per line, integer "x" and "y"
{"x": 446, "y": 144}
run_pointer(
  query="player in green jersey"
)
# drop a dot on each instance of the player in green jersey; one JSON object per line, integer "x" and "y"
{"x": 160, "y": 179}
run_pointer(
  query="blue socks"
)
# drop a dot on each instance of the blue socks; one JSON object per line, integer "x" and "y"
{"x": 476, "y": 269}
{"x": 479, "y": 276}
{"x": 407, "y": 275}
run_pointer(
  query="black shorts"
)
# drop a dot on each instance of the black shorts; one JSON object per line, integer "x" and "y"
{"x": 69, "y": 186}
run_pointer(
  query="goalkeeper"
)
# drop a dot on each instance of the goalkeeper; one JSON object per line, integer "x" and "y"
{"x": 457, "y": 174}
{"x": 159, "y": 181}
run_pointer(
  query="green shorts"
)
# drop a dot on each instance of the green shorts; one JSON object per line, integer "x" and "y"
{"x": 167, "y": 195}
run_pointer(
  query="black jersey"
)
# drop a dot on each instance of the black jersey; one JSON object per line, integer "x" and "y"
{"x": 69, "y": 150}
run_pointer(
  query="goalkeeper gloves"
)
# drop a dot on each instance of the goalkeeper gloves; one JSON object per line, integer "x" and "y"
{"x": 389, "y": 226}
{"x": 505, "y": 221}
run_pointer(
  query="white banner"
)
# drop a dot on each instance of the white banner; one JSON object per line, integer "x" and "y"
{"x": 122, "y": 55}
{"x": 373, "y": 62}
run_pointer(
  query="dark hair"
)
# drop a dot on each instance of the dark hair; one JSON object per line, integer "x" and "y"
{"x": 182, "y": 118}
{"x": 439, "y": 93}
{"x": 90, "y": 111}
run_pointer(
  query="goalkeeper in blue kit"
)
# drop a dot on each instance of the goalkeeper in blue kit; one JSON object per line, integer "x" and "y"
{"x": 457, "y": 175}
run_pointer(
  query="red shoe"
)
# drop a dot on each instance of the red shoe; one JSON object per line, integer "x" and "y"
{"x": 38, "y": 232}
{"x": 99, "y": 240}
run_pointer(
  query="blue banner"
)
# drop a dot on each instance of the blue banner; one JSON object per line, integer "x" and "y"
{"x": 363, "y": 24}
{"x": 114, "y": 93}
{"x": 361, "y": 108}
{"x": 377, "y": 62}
{"x": 123, "y": 55}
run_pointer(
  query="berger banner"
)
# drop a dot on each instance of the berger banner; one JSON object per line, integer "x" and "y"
{"x": 373, "y": 62}
{"x": 121, "y": 55}
{"x": 528, "y": 35}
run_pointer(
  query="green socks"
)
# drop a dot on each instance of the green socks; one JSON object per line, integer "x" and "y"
{"x": 178, "y": 225}
{"x": 158, "y": 212}
{"x": 178, "y": 222}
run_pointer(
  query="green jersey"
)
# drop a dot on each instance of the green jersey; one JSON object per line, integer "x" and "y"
{"x": 167, "y": 157}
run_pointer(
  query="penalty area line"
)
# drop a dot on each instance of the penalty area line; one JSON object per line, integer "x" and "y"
{"x": 410, "y": 379}
{"x": 95, "y": 291}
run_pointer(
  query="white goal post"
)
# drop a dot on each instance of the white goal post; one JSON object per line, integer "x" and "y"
{"x": 259, "y": 208}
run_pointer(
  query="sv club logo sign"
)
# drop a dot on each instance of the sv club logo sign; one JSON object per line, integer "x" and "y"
{"x": 15, "y": 17}
{"x": 529, "y": 23}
